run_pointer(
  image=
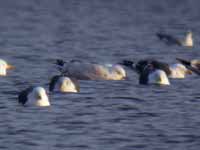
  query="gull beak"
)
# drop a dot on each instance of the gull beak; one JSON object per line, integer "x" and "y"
{"x": 10, "y": 67}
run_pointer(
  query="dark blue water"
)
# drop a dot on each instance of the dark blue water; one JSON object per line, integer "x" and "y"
{"x": 105, "y": 115}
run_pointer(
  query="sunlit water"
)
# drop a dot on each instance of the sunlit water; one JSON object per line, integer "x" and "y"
{"x": 105, "y": 115}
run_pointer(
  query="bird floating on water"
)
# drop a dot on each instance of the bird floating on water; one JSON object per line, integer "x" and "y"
{"x": 151, "y": 75}
{"x": 150, "y": 72}
{"x": 91, "y": 71}
{"x": 4, "y": 66}
{"x": 171, "y": 40}
{"x": 64, "y": 84}
{"x": 34, "y": 96}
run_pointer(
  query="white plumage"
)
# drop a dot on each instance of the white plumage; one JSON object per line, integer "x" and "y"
{"x": 178, "y": 71}
{"x": 3, "y": 67}
{"x": 34, "y": 96}
{"x": 64, "y": 84}
{"x": 188, "y": 42}
{"x": 93, "y": 71}
{"x": 158, "y": 77}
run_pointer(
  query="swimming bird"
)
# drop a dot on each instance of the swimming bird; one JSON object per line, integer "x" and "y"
{"x": 150, "y": 71}
{"x": 171, "y": 40}
{"x": 4, "y": 66}
{"x": 193, "y": 65}
{"x": 172, "y": 70}
{"x": 35, "y": 96}
{"x": 91, "y": 71}
{"x": 64, "y": 84}
{"x": 179, "y": 71}
{"x": 153, "y": 76}
{"x": 142, "y": 64}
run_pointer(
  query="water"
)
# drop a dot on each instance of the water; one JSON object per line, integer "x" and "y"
{"x": 109, "y": 115}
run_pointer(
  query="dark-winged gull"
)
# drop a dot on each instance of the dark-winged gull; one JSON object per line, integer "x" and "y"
{"x": 171, "y": 40}
{"x": 34, "y": 96}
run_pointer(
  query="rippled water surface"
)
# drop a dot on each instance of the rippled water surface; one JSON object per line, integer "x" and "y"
{"x": 105, "y": 115}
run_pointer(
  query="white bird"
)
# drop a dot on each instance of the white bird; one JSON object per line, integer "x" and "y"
{"x": 158, "y": 77}
{"x": 34, "y": 96}
{"x": 169, "y": 39}
{"x": 150, "y": 71}
{"x": 4, "y": 66}
{"x": 188, "y": 42}
{"x": 178, "y": 71}
{"x": 91, "y": 71}
{"x": 152, "y": 75}
{"x": 64, "y": 84}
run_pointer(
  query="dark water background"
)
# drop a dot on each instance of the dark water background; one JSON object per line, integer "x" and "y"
{"x": 106, "y": 115}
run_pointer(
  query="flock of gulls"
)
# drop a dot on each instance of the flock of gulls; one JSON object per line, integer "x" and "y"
{"x": 150, "y": 71}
